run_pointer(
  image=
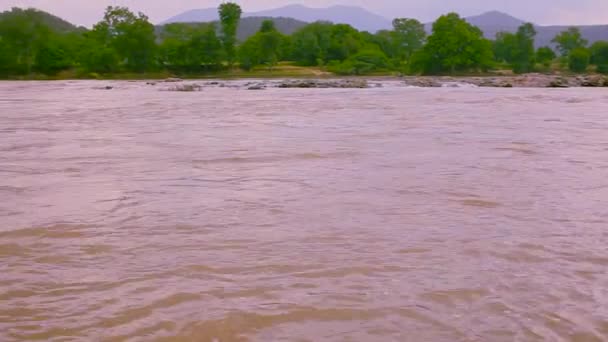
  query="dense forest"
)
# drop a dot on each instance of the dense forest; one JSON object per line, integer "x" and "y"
{"x": 36, "y": 43}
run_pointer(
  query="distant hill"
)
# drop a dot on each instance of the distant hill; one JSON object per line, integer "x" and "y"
{"x": 55, "y": 23}
{"x": 490, "y": 22}
{"x": 592, "y": 33}
{"x": 493, "y": 22}
{"x": 354, "y": 16}
{"x": 250, "y": 25}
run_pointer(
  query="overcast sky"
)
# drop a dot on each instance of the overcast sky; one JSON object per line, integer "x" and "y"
{"x": 544, "y": 12}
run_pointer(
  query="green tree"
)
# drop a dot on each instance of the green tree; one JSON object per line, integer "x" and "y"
{"x": 578, "y": 60}
{"x": 270, "y": 43}
{"x": 545, "y": 55}
{"x": 131, "y": 36}
{"x": 599, "y": 56}
{"x": 190, "y": 47}
{"x": 22, "y": 33}
{"x": 569, "y": 40}
{"x": 311, "y": 43}
{"x": 249, "y": 53}
{"x": 173, "y": 50}
{"x": 504, "y": 47}
{"x": 265, "y": 47}
{"x": 408, "y": 36}
{"x": 524, "y": 54}
{"x": 455, "y": 45}
{"x": 52, "y": 58}
{"x": 230, "y": 16}
{"x": 516, "y": 49}
{"x": 363, "y": 62}
{"x": 384, "y": 39}
{"x": 344, "y": 42}
{"x": 206, "y": 47}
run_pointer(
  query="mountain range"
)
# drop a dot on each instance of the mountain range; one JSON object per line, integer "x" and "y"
{"x": 354, "y": 16}
{"x": 490, "y": 22}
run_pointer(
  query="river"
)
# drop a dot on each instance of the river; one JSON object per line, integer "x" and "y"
{"x": 381, "y": 214}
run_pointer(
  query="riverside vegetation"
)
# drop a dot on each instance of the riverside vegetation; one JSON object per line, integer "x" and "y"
{"x": 34, "y": 44}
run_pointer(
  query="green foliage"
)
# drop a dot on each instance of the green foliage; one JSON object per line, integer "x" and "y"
{"x": 407, "y": 37}
{"x": 310, "y": 43}
{"x": 569, "y": 40}
{"x": 52, "y": 58}
{"x": 578, "y": 60}
{"x": 131, "y": 36}
{"x": 321, "y": 42}
{"x": 602, "y": 69}
{"x": 524, "y": 55}
{"x": 454, "y": 46}
{"x": 364, "y": 62}
{"x": 54, "y": 23}
{"x": 504, "y": 46}
{"x": 545, "y": 55}
{"x": 23, "y": 34}
{"x": 230, "y": 15}
{"x": 190, "y": 48}
{"x": 265, "y": 47}
{"x": 599, "y": 56}
{"x": 516, "y": 49}
{"x": 34, "y": 41}
{"x": 99, "y": 59}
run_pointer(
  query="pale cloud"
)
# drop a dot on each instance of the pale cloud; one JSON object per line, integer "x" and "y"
{"x": 545, "y": 12}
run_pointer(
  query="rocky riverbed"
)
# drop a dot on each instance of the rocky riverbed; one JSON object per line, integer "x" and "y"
{"x": 516, "y": 81}
{"x": 519, "y": 81}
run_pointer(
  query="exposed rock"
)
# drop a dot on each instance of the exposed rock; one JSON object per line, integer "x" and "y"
{"x": 151, "y": 83}
{"x": 173, "y": 80}
{"x": 350, "y": 83}
{"x": 257, "y": 87}
{"x": 425, "y": 82}
{"x": 519, "y": 81}
{"x": 594, "y": 81}
{"x": 186, "y": 87}
{"x": 558, "y": 82}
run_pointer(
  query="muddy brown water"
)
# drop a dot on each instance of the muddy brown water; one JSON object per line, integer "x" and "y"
{"x": 385, "y": 214}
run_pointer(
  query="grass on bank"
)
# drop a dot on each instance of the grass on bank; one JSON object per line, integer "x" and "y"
{"x": 281, "y": 70}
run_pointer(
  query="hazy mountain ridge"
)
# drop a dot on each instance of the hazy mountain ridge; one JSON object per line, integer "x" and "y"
{"x": 250, "y": 25}
{"x": 355, "y": 16}
{"x": 55, "y": 23}
{"x": 490, "y": 22}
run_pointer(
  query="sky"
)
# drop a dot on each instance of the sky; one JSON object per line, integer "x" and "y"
{"x": 542, "y": 12}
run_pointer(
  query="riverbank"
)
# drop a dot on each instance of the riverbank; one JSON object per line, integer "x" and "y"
{"x": 514, "y": 81}
{"x": 305, "y": 77}
{"x": 520, "y": 81}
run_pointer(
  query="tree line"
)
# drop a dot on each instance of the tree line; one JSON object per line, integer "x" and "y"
{"x": 127, "y": 42}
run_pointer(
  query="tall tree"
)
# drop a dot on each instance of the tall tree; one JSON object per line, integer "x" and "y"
{"x": 265, "y": 47}
{"x": 22, "y": 33}
{"x": 131, "y": 37}
{"x": 524, "y": 54}
{"x": 311, "y": 43}
{"x": 408, "y": 37}
{"x": 230, "y": 16}
{"x": 504, "y": 47}
{"x": 190, "y": 47}
{"x": 270, "y": 43}
{"x": 455, "y": 45}
{"x": 569, "y": 40}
